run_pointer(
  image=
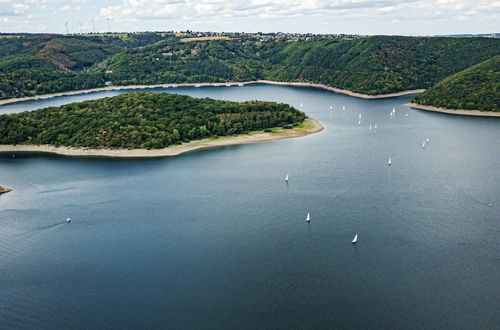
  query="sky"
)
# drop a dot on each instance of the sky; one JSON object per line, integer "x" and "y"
{"x": 366, "y": 17}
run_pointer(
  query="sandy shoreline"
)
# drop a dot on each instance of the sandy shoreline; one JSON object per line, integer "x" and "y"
{"x": 235, "y": 83}
{"x": 310, "y": 126}
{"x": 462, "y": 112}
{"x": 4, "y": 189}
{"x": 338, "y": 90}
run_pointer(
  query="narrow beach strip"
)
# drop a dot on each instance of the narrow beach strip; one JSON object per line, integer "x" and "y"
{"x": 461, "y": 112}
{"x": 4, "y": 189}
{"x": 307, "y": 127}
{"x": 338, "y": 90}
{"x": 219, "y": 84}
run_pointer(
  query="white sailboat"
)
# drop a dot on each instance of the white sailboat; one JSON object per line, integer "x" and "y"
{"x": 390, "y": 162}
{"x": 286, "y": 178}
{"x": 375, "y": 126}
{"x": 427, "y": 140}
{"x": 343, "y": 107}
{"x": 355, "y": 239}
{"x": 359, "y": 116}
{"x": 370, "y": 127}
{"x": 308, "y": 218}
{"x": 331, "y": 107}
{"x": 423, "y": 145}
{"x": 301, "y": 105}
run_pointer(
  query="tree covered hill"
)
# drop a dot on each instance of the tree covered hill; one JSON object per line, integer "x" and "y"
{"x": 475, "y": 88}
{"x": 382, "y": 64}
{"x": 45, "y": 63}
{"x": 142, "y": 120}
{"x": 372, "y": 65}
{"x": 38, "y": 64}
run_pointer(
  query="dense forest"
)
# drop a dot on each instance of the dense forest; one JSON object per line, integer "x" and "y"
{"x": 476, "y": 88}
{"x": 40, "y": 64}
{"x": 142, "y": 120}
{"x": 382, "y": 64}
{"x": 43, "y": 63}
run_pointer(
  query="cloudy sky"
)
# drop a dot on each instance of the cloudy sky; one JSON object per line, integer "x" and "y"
{"x": 405, "y": 17}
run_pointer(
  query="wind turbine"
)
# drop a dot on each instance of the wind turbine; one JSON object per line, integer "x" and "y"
{"x": 93, "y": 24}
{"x": 109, "y": 29}
{"x": 66, "y": 24}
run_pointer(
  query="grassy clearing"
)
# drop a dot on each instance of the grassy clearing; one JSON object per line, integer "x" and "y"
{"x": 9, "y": 36}
{"x": 204, "y": 39}
{"x": 303, "y": 128}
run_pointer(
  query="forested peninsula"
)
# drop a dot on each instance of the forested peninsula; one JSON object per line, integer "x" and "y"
{"x": 145, "y": 120}
{"x": 32, "y": 64}
{"x": 476, "y": 88}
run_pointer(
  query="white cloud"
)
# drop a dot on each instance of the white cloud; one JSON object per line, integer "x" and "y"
{"x": 326, "y": 16}
{"x": 265, "y": 9}
{"x": 20, "y": 8}
{"x": 385, "y": 9}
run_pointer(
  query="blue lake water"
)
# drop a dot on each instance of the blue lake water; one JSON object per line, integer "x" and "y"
{"x": 216, "y": 239}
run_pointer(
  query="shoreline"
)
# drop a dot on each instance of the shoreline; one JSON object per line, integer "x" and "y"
{"x": 219, "y": 84}
{"x": 462, "y": 112}
{"x": 339, "y": 90}
{"x": 4, "y": 189}
{"x": 308, "y": 127}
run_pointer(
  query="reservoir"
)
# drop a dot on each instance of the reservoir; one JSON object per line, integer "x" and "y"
{"x": 217, "y": 239}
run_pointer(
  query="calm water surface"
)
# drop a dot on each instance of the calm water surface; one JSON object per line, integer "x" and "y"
{"x": 216, "y": 239}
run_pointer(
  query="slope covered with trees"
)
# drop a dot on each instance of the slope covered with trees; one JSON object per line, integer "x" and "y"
{"x": 142, "y": 120}
{"x": 381, "y": 64}
{"x": 372, "y": 65}
{"x": 37, "y": 64}
{"x": 476, "y": 88}
{"x": 40, "y": 64}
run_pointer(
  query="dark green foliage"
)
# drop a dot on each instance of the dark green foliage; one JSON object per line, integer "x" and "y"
{"x": 37, "y": 64}
{"x": 142, "y": 120}
{"x": 476, "y": 88}
{"x": 41, "y": 64}
{"x": 381, "y": 64}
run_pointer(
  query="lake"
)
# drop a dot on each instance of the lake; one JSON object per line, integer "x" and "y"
{"x": 216, "y": 239}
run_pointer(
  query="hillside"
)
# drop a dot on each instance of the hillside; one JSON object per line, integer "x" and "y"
{"x": 381, "y": 64}
{"x": 476, "y": 88}
{"x": 142, "y": 120}
{"x": 40, "y": 64}
{"x": 373, "y": 65}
